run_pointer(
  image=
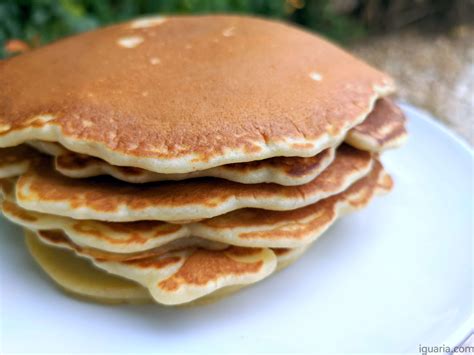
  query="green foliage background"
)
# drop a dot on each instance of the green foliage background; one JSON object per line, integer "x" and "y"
{"x": 41, "y": 21}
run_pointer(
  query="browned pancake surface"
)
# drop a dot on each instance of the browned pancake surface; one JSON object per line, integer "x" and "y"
{"x": 254, "y": 217}
{"x": 293, "y": 167}
{"x": 246, "y": 227}
{"x": 105, "y": 195}
{"x": 204, "y": 266}
{"x": 382, "y": 129}
{"x": 189, "y": 89}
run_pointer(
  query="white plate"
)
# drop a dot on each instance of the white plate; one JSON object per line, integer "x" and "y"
{"x": 390, "y": 278}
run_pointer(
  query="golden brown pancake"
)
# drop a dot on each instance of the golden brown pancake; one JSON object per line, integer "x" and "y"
{"x": 221, "y": 132}
{"x": 384, "y": 128}
{"x": 293, "y": 228}
{"x": 184, "y": 275}
{"x": 187, "y": 93}
{"x": 246, "y": 227}
{"x": 79, "y": 277}
{"x": 288, "y": 171}
{"x": 281, "y": 170}
{"x": 60, "y": 239}
{"x": 43, "y": 190}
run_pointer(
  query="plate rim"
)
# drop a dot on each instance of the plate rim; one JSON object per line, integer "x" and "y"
{"x": 437, "y": 124}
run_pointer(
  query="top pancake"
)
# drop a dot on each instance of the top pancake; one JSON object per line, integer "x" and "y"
{"x": 383, "y": 128}
{"x": 179, "y": 94}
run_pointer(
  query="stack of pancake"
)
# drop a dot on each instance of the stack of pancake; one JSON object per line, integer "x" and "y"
{"x": 182, "y": 158}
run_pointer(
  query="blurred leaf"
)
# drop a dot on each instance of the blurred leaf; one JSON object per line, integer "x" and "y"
{"x": 48, "y": 20}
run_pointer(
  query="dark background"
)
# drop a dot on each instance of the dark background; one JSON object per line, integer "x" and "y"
{"x": 30, "y": 23}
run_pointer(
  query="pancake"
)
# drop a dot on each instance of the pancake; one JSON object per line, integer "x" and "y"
{"x": 48, "y": 148}
{"x": 185, "y": 275}
{"x": 146, "y": 269}
{"x": 184, "y": 95}
{"x": 286, "y": 171}
{"x": 280, "y": 170}
{"x": 383, "y": 129}
{"x": 287, "y": 256}
{"x": 294, "y": 228}
{"x": 43, "y": 190}
{"x": 59, "y": 239}
{"x": 16, "y": 160}
{"x": 247, "y": 227}
{"x": 80, "y": 277}
{"x": 179, "y": 244}
{"x": 206, "y": 271}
